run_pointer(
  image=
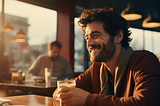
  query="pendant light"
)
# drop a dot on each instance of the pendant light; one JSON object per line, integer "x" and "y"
{"x": 130, "y": 14}
{"x": 20, "y": 33}
{"x": 150, "y": 22}
{"x": 20, "y": 40}
{"x": 8, "y": 28}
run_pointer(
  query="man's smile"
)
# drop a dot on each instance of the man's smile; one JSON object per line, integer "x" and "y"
{"x": 94, "y": 48}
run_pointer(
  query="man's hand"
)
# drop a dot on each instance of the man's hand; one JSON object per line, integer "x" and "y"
{"x": 55, "y": 94}
{"x": 71, "y": 96}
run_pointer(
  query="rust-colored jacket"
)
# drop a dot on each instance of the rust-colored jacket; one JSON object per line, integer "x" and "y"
{"x": 141, "y": 86}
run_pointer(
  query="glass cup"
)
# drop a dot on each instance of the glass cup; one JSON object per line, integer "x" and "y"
{"x": 47, "y": 77}
{"x": 15, "y": 77}
{"x": 66, "y": 83}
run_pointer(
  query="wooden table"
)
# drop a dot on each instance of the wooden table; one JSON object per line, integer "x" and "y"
{"x": 36, "y": 88}
{"x": 32, "y": 100}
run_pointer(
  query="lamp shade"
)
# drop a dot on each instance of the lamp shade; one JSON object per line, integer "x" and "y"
{"x": 20, "y": 33}
{"x": 130, "y": 14}
{"x": 20, "y": 40}
{"x": 150, "y": 22}
{"x": 8, "y": 28}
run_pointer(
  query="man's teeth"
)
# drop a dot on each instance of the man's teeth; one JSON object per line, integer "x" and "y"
{"x": 94, "y": 50}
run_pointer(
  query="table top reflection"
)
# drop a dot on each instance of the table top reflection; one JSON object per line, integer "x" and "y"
{"x": 32, "y": 100}
{"x": 29, "y": 84}
{"x": 38, "y": 88}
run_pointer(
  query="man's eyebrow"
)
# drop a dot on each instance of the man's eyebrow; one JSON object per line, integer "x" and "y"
{"x": 93, "y": 33}
{"x": 96, "y": 32}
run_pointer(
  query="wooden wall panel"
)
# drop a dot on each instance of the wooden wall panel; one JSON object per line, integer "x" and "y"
{"x": 65, "y": 28}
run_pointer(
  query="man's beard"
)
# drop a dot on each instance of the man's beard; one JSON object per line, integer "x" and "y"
{"x": 107, "y": 52}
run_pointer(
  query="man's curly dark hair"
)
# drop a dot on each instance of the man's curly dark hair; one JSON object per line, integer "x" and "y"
{"x": 112, "y": 22}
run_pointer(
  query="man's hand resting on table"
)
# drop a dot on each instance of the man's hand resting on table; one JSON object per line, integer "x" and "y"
{"x": 71, "y": 96}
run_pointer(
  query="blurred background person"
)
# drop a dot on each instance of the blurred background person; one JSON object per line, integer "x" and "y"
{"x": 53, "y": 60}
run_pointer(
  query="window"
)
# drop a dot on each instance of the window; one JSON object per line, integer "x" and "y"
{"x": 79, "y": 48}
{"x": 38, "y": 23}
{"x": 145, "y": 39}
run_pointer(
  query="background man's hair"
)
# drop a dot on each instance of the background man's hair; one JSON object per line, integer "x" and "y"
{"x": 54, "y": 43}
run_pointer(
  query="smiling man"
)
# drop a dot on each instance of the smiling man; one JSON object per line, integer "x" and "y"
{"x": 118, "y": 75}
{"x": 103, "y": 47}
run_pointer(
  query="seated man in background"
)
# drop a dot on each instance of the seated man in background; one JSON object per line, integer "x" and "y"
{"x": 118, "y": 75}
{"x": 53, "y": 60}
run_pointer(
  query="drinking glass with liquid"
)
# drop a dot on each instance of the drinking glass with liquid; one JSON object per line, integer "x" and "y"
{"x": 15, "y": 77}
{"x": 66, "y": 83}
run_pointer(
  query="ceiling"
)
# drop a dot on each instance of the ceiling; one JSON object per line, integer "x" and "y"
{"x": 145, "y": 7}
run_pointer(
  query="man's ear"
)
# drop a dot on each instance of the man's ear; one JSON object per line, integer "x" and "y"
{"x": 118, "y": 38}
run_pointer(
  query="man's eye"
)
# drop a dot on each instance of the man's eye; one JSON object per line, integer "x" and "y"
{"x": 95, "y": 36}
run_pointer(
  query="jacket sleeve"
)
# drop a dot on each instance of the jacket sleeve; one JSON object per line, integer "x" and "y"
{"x": 146, "y": 74}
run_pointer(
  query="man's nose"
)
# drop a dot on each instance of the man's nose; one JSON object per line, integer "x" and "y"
{"x": 90, "y": 42}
